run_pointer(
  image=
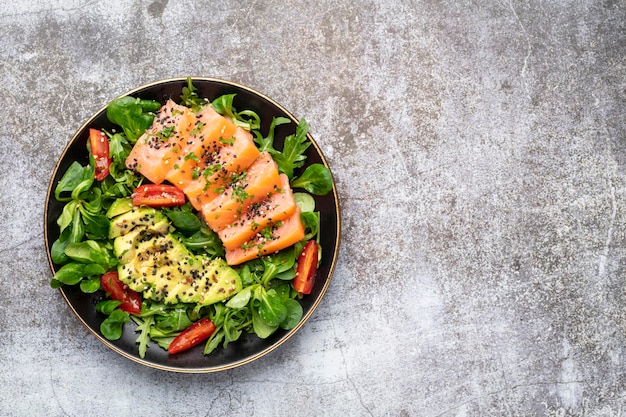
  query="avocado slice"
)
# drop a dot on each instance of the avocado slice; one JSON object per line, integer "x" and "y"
{"x": 151, "y": 218}
{"x": 120, "y": 206}
{"x": 198, "y": 280}
{"x": 156, "y": 263}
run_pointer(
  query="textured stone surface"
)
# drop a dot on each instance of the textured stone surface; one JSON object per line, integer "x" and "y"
{"x": 479, "y": 150}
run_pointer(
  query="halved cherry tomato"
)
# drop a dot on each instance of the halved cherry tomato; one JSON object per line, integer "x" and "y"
{"x": 158, "y": 195}
{"x": 118, "y": 291}
{"x": 100, "y": 151}
{"x": 307, "y": 266}
{"x": 193, "y": 335}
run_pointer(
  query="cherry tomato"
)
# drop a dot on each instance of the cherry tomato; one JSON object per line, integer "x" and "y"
{"x": 307, "y": 266}
{"x": 193, "y": 335}
{"x": 158, "y": 195}
{"x": 100, "y": 151}
{"x": 118, "y": 291}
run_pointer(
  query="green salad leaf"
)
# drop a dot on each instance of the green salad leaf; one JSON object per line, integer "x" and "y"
{"x": 267, "y": 300}
{"x": 133, "y": 115}
{"x": 316, "y": 179}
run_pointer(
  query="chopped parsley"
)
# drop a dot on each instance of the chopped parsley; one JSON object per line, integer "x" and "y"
{"x": 210, "y": 170}
{"x": 165, "y": 133}
{"x": 192, "y": 156}
{"x": 197, "y": 129}
{"x": 229, "y": 141}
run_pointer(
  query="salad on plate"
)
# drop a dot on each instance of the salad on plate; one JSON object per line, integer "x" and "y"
{"x": 191, "y": 222}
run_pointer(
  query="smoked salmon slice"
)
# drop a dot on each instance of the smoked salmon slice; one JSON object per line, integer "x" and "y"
{"x": 269, "y": 240}
{"x": 279, "y": 206}
{"x": 260, "y": 180}
{"x": 210, "y": 131}
{"x": 155, "y": 151}
{"x": 235, "y": 156}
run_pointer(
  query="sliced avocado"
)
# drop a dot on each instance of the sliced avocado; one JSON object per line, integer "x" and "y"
{"x": 152, "y": 219}
{"x": 144, "y": 257}
{"x": 120, "y": 206}
{"x": 162, "y": 267}
{"x": 198, "y": 280}
{"x": 220, "y": 282}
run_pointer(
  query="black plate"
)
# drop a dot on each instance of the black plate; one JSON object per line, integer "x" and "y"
{"x": 249, "y": 347}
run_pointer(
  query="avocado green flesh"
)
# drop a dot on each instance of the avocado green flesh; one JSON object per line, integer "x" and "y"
{"x": 163, "y": 269}
{"x": 120, "y": 206}
{"x": 152, "y": 219}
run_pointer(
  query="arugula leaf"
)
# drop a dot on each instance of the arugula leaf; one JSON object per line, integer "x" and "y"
{"x": 267, "y": 143}
{"x": 205, "y": 240}
{"x": 119, "y": 148}
{"x": 176, "y": 320}
{"x": 247, "y": 119}
{"x": 190, "y": 98}
{"x": 292, "y": 155}
{"x": 214, "y": 341}
{"x": 143, "y": 327}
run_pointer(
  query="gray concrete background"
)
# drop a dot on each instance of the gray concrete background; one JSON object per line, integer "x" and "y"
{"x": 479, "y": 150}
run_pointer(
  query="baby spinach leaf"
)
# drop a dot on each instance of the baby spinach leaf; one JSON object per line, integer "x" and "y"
{"x": 271, "y": 308}
{"x": 90, "y": 252}
{"x": 75, "y": 175}
{"x": 57, "y": 251}
{"x": 259, "y": 326}
{"x": 96, "y": 225}
{"x": 305, "y": 201}
{"x": 78, "y": 229}
{"x": 90, "y": 285}
{"x": 133, "y": 115}
{"x": 240, "y": 300}
{"x": 316, "y": 179}
{"x": 70, "y": 274}
{"x": 294, "y": 314}
{"x": 183, "y": 219}
{"x": 93, "y": 269}
{"x": 67, "y": 215}
{"x": 112, "y": 326}
{"x": 311, "y": 221}
{"x": 107, "y": 306}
